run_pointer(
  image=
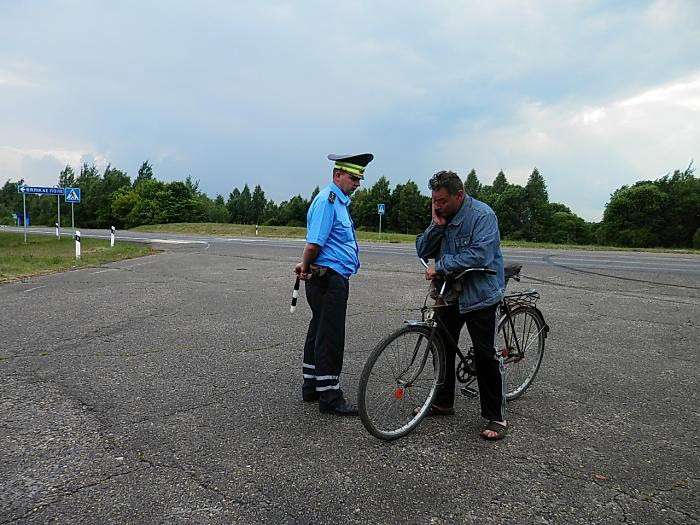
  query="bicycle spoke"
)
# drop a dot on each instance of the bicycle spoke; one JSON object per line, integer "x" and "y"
{"x": 400, "y": 376}
{"x": 523, "y": 339}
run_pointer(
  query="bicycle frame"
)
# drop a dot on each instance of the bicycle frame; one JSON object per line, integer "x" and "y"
{"x": 438, "y": 330}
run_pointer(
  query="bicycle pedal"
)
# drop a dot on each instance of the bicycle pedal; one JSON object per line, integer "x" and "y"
{"x": 468, "y": 391}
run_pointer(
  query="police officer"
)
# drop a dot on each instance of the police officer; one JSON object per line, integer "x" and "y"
{"x": 330, "y": 257}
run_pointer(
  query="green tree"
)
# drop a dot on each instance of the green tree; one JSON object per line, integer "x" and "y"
{"x": 682, "y": 215}
{"x": 112, "y": 181}
{"x": 66, "y": 179}
{"x": 233, "y": 206}
{"x": 407, "y": 209}
{"x": 91, "y": 196}
{"x": 293, "y": 212}
{"x": 271, "y": 214}
{"x": 124, "y": 202}
{"x": 511, "y": 209}
{"x": 472, "y": 186}
{"x": 257, "y": 205}
{"x": 145, "y": 173}
{"x": 10, "y": 202}
{"x": 500, "y": 184}
{"x": 142, "y": 204}
{"x": 538, "y": 211}
{"x": 379, "y": 193}
{"x": 217, "y": 211}
{"x": 567, "y": 228}
{"x": 245, "y": 206}
{"x": 316, "y": 191}
{"x": 635, "y": 216}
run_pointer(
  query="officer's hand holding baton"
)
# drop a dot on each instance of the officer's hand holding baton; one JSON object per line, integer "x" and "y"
{"x": 302, "y": 271}
{"x": 302, "y": 274}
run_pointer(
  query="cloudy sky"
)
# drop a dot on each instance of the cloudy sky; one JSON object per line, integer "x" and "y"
{"x": 596, "y": 94}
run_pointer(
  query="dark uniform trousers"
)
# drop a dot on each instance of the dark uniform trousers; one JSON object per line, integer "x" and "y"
{"x": 327, "y": 296}
{"x": 481, "y": 325}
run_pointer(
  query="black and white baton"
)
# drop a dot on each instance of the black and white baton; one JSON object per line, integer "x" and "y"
{"x": 295, "y": 294}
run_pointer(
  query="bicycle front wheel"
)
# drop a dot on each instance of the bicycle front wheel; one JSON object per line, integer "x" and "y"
{"x": 399, "y": 382}
{"x": 520, "y": 342}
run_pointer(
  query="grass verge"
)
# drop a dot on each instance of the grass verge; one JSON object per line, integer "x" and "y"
{"x": 248, "y": 230}
{"x": 284, "y": 232}
{"x": 46, "y": 254}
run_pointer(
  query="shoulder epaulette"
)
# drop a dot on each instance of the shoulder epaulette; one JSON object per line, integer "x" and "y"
{"x": 331, "y": 197}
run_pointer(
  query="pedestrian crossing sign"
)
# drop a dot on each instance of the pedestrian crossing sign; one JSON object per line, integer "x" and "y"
{"x": 71, "y": 195}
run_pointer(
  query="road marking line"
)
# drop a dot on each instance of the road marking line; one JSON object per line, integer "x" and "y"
{"x": 35, "y": 288}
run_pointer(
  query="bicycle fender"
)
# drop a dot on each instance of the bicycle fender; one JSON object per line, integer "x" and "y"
{"x": 544, "y": 323}
{"x": 536, "y": 311}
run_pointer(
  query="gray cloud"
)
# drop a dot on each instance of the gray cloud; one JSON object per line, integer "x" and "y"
{"x": 236, "y": 92}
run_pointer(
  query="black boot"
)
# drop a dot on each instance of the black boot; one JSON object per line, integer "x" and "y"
{"x": 339, "y": 408}
{"x": 308, "y": 392}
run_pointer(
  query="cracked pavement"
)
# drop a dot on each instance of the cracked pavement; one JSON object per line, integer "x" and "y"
{"x": 166, "y": 390}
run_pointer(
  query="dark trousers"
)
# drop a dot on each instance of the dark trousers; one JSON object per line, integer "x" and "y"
{"x": 481, "y": 325}
{"x": 327, "y": 296}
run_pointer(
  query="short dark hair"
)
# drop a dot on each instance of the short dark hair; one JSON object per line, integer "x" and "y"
{"x": 448, "y": 180}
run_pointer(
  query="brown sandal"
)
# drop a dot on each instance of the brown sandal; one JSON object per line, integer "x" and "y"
{"x": 493, "y": 426}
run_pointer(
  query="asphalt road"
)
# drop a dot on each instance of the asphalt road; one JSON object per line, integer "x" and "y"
{"x": 166, "y": 390}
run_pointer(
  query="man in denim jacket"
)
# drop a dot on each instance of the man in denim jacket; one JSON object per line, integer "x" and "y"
{"x": 464, "y": 234}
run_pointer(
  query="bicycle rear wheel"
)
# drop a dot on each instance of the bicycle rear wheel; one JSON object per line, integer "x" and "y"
{"x": 401, "y": 374}
{"x": 520, "y": 342}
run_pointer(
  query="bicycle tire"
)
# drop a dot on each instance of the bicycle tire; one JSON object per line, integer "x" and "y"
{"x": 525, "y": 323}
{"x": 395, "y": 394}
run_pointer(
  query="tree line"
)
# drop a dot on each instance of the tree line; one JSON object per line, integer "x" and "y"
{"x": 663, "y": 212}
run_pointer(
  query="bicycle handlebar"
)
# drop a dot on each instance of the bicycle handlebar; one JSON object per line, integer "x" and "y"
{"x": 462, "y": 274}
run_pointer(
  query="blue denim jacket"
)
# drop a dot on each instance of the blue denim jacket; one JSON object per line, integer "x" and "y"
{"x": 470, "y": 239}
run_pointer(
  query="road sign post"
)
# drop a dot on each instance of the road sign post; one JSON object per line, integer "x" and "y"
{"x": 24, "y": 217}
{"x": 72, "y": 195}
{"x": 41, "y": 190}
{"x": 380, "y": 210}
{"x": 58, "y": 224}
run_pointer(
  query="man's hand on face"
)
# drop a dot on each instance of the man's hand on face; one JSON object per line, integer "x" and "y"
{"x": 302, "y": 271}
{"x": 431, "y": 274}
{"x": 439, "y": 220}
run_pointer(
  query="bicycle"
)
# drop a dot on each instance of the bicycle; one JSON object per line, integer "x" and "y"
{"x": 404, "y": 370}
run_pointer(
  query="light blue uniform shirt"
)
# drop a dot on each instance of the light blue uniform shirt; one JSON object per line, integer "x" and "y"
{"x": 329, "y": 225}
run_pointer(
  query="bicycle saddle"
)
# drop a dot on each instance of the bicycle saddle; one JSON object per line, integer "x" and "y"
{"x": 512, "y": 271}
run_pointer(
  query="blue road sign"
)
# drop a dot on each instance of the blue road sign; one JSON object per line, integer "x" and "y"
{"x": 72, "y": 195}
{"x": 40, "y": 190}
{"x": 380, "y": 209}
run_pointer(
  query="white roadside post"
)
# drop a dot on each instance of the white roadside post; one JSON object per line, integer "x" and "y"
{"x": 57, "y": 232}
{"x": 111, "y": 237}
{"x": 256, "y": 230}
{"x": 77, "y": 244}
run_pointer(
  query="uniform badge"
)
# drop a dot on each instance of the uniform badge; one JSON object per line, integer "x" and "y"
{"x": 331, "y": 197}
